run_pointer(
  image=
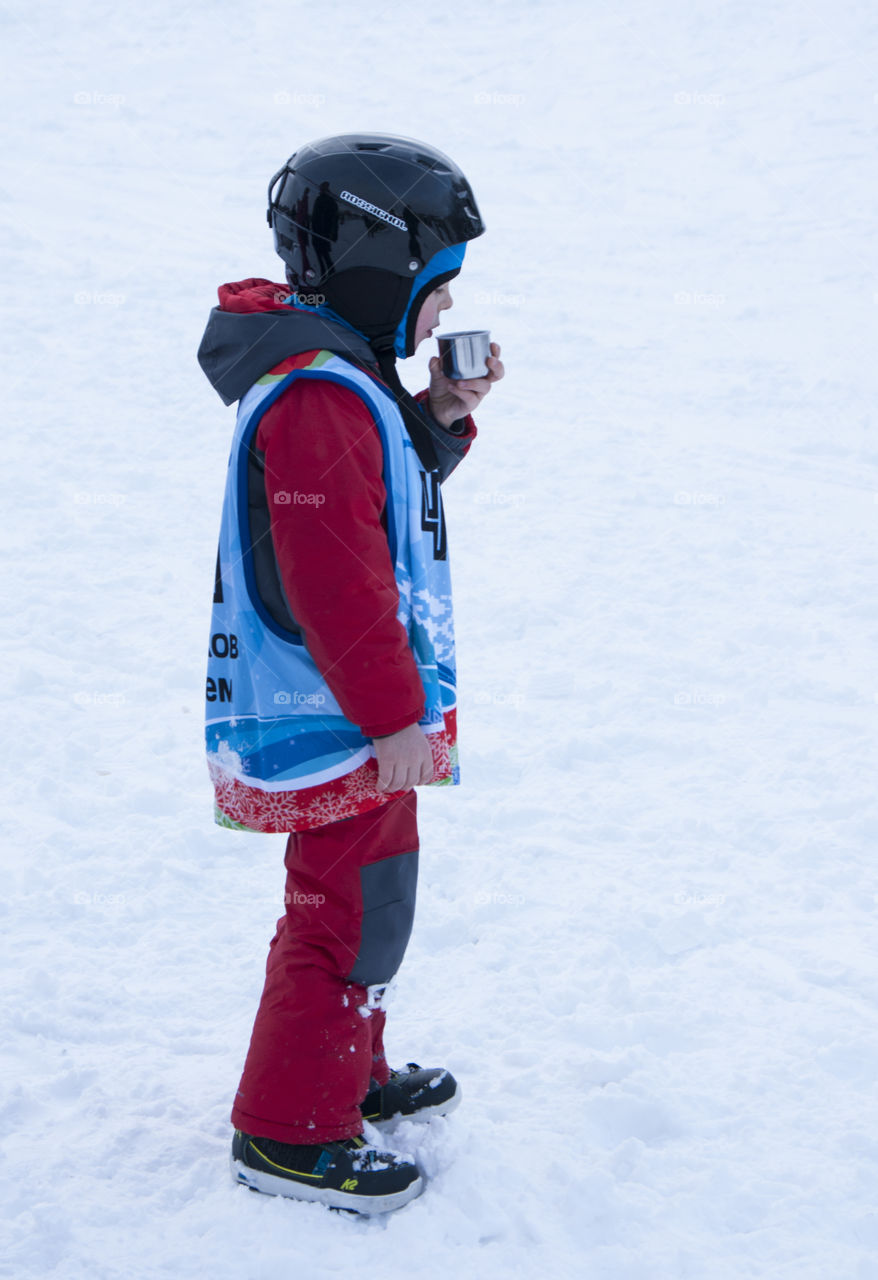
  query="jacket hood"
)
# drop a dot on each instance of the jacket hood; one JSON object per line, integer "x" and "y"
{"x": 253, "y": 329}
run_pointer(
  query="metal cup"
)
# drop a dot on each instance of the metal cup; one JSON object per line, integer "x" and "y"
{"x": 463, "y": 354}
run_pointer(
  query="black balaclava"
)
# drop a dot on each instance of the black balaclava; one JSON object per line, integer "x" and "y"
{"x": 376, "y": 302}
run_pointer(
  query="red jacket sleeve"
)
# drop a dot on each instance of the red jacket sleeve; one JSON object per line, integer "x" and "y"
{"x": 323, "y": 464}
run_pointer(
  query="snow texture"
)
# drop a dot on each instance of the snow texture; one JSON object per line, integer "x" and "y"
{"x": 646, "y": 933}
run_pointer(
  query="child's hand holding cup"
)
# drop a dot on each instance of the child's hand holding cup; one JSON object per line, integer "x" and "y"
{"x": 460, "y": 376}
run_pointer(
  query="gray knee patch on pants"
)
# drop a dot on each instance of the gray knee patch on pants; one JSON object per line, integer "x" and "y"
{"x": 388, "y": 913}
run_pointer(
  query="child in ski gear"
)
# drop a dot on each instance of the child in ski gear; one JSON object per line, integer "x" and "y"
{"x": 331, "y": 673}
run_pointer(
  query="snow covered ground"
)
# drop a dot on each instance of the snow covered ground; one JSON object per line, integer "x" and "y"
{"x": 646, "y": 936}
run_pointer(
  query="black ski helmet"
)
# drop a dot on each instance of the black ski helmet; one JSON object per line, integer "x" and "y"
{"x": 361, "y": 218}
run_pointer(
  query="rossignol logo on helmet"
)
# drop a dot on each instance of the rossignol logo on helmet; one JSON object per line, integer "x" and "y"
{"x": 373, "y": 208}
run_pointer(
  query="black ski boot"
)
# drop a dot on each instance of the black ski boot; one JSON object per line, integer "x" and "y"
{"x": 348, "y": 1174}
{"x": 418, "y": 1093}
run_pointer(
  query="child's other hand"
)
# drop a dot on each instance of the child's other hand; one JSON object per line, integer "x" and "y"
{"x": 404, "y": 759}
{"x": 450, "y": 400}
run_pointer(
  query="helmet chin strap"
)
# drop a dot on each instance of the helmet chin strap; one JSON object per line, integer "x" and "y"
{"x": 416, "y": 423}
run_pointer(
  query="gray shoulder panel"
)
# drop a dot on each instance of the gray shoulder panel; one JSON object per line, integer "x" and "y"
{"x": 239, "y": 347}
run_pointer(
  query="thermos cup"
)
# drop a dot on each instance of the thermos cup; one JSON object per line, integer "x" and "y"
{"x": 463, "y": 354}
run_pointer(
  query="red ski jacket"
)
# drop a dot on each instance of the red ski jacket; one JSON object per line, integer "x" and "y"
{"x": 326, "y": 496}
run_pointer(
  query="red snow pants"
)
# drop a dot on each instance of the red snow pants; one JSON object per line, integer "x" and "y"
{"x": 317, "y": 1045}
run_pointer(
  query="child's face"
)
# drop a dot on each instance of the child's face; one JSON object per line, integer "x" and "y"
{"x": 428, "y": 318}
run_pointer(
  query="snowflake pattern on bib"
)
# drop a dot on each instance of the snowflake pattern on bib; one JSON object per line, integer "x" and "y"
{"x": 249, "y": 808}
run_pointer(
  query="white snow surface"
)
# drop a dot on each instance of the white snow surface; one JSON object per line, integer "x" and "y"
{"x": 646, "y": 930}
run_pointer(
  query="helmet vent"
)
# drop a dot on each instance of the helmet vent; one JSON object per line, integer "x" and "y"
{"x": 429, "y": 163}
